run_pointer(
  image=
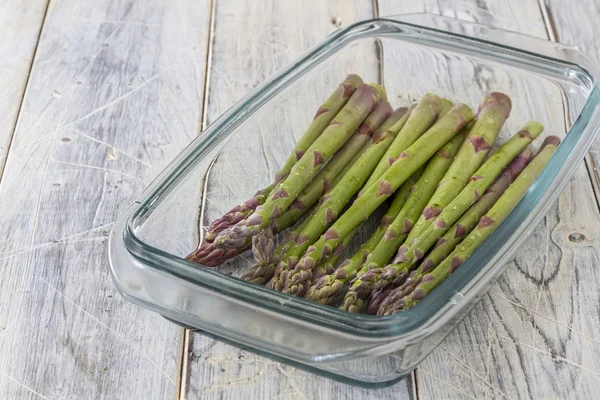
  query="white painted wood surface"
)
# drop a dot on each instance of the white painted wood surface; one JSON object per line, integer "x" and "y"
{"x": 21, "y": 23}
{"x": 116, "y": 91}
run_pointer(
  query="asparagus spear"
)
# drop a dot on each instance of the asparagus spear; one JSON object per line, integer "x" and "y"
{"x": 332, "y": 204}
{"x": 456, "y": 234}
{"x": 420, "y": 195}
{"x": 323, "y": 117}
{"x": 393, "y": 210}
{"x": 378, "y": 296}
{"x": 328, "y": 287}
{"x": 410, "y": 160}
{"x": 446, "y": 107}
{"x": 261, "y": 272}
{"x": 211, "y": 256}
{"x": 421, "y": 119}
{"x": 320, "y": 183}
{"x": 327, "y": 266}
{"x": 486, "y": 226}
{"x": 493, "y": 112}
{"x": 335, "y": 135}
{"x": 403, "y": 223}
{"x": 336, "y": 168}
{"x": 479, "y": 182}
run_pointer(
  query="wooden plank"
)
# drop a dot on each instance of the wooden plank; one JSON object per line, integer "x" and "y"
{"x": 115, "y": 93}
{"x": 252, "y": 40}
{"x": 536, "y": 334}
{"x": 21, "y": 24}
{"x": 574, "y": 23}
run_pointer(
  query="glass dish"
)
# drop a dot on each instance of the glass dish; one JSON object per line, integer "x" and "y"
{"x": 239, "y": 153}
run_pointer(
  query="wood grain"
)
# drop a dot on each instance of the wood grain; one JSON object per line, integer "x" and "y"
{"x": 535, "y": 335}
{"x": 115, "y": 93}
{"x": 575, "y": 24}
{"x": 253, "y": 40}
{"x": 21, "y": 24}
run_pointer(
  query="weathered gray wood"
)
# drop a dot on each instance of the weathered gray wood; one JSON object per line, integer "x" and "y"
{"x": 115, "y": 92}
{"x": 575, "y": 23}
{"x": 21, "y": 23}
{"x": 252, "y": 40}
{"x": 535, "y": 335}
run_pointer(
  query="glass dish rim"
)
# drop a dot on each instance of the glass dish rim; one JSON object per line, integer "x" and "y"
{"x": 403, "y": 324}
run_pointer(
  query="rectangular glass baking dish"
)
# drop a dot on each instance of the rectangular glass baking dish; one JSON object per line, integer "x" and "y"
{"x": 411, "y": 55}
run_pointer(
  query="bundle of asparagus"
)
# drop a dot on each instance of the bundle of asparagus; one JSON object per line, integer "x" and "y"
{"x": 432, "y": 157}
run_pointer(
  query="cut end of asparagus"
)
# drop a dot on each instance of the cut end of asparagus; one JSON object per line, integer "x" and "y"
{"x": 446, "y": 106}
{"x": 431, "y": 100}
{"x": 465, "y": 114}
{"x": 549, "y": 141}
{"x": 531, "y": 130}
{"x": 380, "y": 91}
{"x": 379, "y": 115}
{"x": 496, "y": 100}
{"x": 365, "y": 94}
{"x": 351, "y": 82}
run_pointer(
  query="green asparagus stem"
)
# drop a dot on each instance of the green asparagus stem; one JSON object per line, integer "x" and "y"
{"x": 327, "y": 266}
{"x": 341, "y": 162}
{"x": 381, "y": 141}
{"x": 328, "y": 287}
{"x": 261, "y": 272}
{"x": 323, "y": 117}
{"x": 335, "y": 135}
{"x": 446, "y": 107}
{"x": 486, "y": 226}
{"x": 404, "y": 221}
{"x": 479, "y": 182}
{"x": 456, "y": 234}
{"x": 420, "y": 195}
{"x": 493, "y": 112}
{"x": 420, "y": 120}
{"x": 409, "y": 161}
{"x": 332, "y": 204}
{"x": 470, "y": 218}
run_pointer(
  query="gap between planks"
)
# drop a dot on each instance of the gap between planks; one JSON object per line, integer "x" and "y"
{"x": 187, "y": 335}
{"x": 25, "y": 88}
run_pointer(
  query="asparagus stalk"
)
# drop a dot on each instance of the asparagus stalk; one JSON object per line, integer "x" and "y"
{"x": 320, "y": 184}
{"x": 404, "y": 221}
{"x": 446, "y": 107}
{"x": 327, "y": 266}
{"x": 328, "y": 287}
{"x": 339, "y": 164}
{"x": 493, "y": 112}
{"x": 420, "y": 120}
{"x": 262, "y": 272}
{"x": 486, "y": 226}
{"x": 409, "y": 161}
{"x": 378, "y": 296}
{"x": 479, "y": 182}
{"x": 332, "y": 204}
{"x": 333, "y": 137}
{"x": 237, "y": 213}
{"x": 325, "y": 114}
{"x": 211, "y": 256}
{"x": 456, "y": 234}
{"x": 420, "y": 195}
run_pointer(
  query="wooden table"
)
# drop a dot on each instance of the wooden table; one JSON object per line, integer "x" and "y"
{"x": 97, "y": 97}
